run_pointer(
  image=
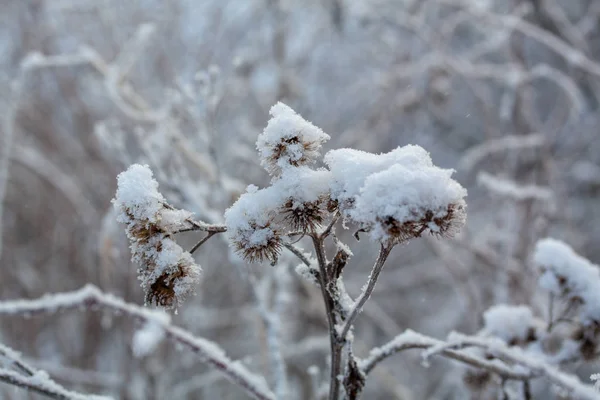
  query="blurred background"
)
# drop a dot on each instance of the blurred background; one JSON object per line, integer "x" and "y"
{"x": 505, "y": 92}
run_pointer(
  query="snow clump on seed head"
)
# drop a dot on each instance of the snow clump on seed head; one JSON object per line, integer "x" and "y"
{"x": 398, "y": 195}
{"x": 288, "y": 140}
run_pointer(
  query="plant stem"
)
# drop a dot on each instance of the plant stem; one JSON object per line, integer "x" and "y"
{"x": 336, "y": 353}
{"x": 384, "y": 252}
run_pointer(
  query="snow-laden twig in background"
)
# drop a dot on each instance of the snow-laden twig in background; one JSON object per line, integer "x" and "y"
{"x": 91, "y": 297}
{"x": 513, "y": 190}
{"x": 41, "y": 383}
{"x": 412, "y": 340}
{"x": 270, "y": 317}
{"x": 455, "y": 349}
{"x": 536, "y": 366}
{"x": 509, "y": 142}
{"x": 34, "y": 380}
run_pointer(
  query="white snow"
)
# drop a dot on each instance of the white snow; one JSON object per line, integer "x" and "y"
{"x": 509, "y": 322}
{"x": 351, "y": 167}
{"x": 137, "y": 192}
{"x": 146, "y": 339}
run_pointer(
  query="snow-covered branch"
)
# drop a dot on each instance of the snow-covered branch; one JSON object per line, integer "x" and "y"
{"x": 25, "y": 376}
{"x": 516, "y": 365}
{"x": 91, "y": 297}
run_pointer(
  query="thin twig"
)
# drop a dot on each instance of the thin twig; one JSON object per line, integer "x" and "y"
{"x": 200, "y": 243}
{"x": 203, "y": 226}
{"x": 329, "y": 227}
{"x": 297, "y": 252}
{"x": 384, "y": 252}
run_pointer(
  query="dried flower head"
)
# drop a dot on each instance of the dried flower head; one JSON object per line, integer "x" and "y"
{"x": 401, "y": 203}
{"x": 251, "y": 225}
{"x": 303, "y": 216}
{"x": 288, "y": 141}
{"x": 167, "y": 272}
{"x": 259, "y": 243}
{"x": 441, "y": 223}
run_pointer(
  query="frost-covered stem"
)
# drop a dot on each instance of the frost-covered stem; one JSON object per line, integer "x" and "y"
{"x": 384, "y": 252}
{"x": 34, "y": 380}
{"x": 329, "y": 227}
{"x": 91, "y": 297}
{"x": 297, "y": 252}
{"x": 201, "y": 242}
{"x": 281, "y": 385}
{"x": 411, "y": 340}
{"x": 270, "y": 319}
{"x": 203, "y": 226}
{"x": 32, "y": 384}
{"x": 15, "y": 359}
{"x": 336, "y": 349}
{"x": 535, "y": 366}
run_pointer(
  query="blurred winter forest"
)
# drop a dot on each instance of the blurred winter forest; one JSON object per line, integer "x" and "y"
{"x": 506, "y": 92}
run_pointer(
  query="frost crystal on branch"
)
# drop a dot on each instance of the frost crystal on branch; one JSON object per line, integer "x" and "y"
{"x": 288, "y": 140}
{"x": 167, "y": 272}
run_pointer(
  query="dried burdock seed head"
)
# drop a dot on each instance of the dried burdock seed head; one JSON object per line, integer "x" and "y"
{"x": 166, "y": 290}
{"x": 288, "y": 141}
{"x": 257, "y": 220}
{"x": 396, "y": 196}
{"x": 445, "y": 223}
{"x": 303, "y": 217}
{"x": 259, "y": 243}
{"x": 167, "y": 272}
{"x": 252, "y": 229}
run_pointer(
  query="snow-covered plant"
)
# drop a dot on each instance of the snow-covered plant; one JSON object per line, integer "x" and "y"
{"x": 569, "y": 332}
{"x": 395, "y": 197}
{"x": 575, "y": 282}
